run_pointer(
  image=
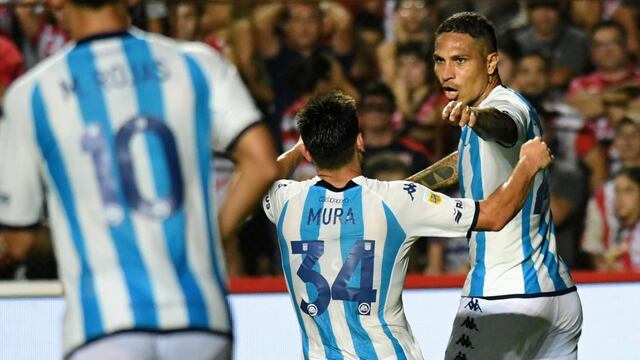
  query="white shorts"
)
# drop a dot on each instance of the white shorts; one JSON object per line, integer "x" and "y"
{"x": 541, "y": 328}
{"x": 179, "y": 345}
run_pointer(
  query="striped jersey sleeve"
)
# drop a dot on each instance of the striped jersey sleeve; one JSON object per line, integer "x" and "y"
{"x": 423, "y": 212}
{"x": 230, "y": 113}
{"x": 21, "y": 194}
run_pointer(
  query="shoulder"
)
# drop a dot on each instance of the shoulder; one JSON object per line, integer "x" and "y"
{"x": 506, "y": 96}
{"x": 23, "y": 85}
{"x": 572, "y": 33}
{"x": 198, "y": 50}
{"x": 391, "y": 191}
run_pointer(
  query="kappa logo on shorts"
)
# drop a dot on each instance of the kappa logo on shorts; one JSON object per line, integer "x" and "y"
{"x": 410, "y": 189}
{"x": 470, "y": 324}
{"x": 465, "y": 341}
{"x": 473, "y": 305}
{"x": 460, "y": 356}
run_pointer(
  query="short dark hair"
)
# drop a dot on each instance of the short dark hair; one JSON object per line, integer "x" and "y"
{"x": 384, "y": 162}
{"x": 329, "y": 128}
{"x": 381, "y": 89}
{"x": 633, "y": 173}
{"x": 475, "y": 25}
{"x": 611, "y": 24}
{"x": 420, "y": 49}
{"x": 95, "y": 4}
{"x": 547, "y": 62}
{"x": 305, "y": 74}
{"x": 552, "y": 4}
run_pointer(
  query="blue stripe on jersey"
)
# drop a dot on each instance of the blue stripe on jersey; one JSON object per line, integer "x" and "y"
{"x": 82, "y": 67}
{"x": 151, "y": 105}
{"x": 531, "y": 285}
{"x": 286, "y": 266}
{"x": 477, "y": 193}
{"x": 309, "y": 232}
{"x": 350, "y": 232}
{"x": 202, "y": 134}
{"x": 91, "y": 314}
{"x": 549, "y": 258}
{"x": 392, "y": 243}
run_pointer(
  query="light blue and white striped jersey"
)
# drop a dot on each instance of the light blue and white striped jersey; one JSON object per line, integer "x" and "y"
{"x": 522, "y": 258}
{"x": 345, "y": 254}
{"x": 122, "y": 128}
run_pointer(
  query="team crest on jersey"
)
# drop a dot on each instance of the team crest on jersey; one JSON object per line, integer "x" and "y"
{"x": 431, "y": 197}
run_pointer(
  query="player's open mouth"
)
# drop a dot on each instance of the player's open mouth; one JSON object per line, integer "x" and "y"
{"x": 450, "y": 93}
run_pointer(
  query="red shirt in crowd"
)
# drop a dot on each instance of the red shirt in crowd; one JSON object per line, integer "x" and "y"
{"x": 597, "y": 81}
{"x": 11, "y": 62}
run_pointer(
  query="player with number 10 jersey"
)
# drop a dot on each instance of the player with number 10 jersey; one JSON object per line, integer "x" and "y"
{"x": 127, "y": 166}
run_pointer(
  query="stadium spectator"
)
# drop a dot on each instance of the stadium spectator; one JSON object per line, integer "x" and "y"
{"x": 626, "y": 13}
{"x": 564, "y": 45}
{"x": 412, "y": 22}
{"x": 139, "y": 250}
{"x": 347, "y": 218}
{"x": 503, "y": 280}
{"x": 573, "y": 143}
{"x": 508, "y": 56}
{"x": 419, "y": 102}
{"x": 150, "y": 15}
{"x": 288, "y": 33}
{"x": 374, "y": 112}
{"x": 11, "y": 66}
{"x": 601, "y": 225}
{"x": 619, "y": 250}
{"x": 368, "y": 35}
{"x": 42, "y": 27}
{"x": 613, "y": 68}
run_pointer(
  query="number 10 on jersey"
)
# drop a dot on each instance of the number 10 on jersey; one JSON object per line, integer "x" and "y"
{"x": 362, "y": 253}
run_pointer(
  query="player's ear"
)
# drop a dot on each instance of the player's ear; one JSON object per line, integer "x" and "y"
{"x": 492, "y": 63}
{"x": 360, "y": 143}
{"x": 306, "y": 153}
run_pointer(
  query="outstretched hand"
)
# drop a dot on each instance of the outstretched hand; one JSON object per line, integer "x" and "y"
{"x": 458, "y": 114}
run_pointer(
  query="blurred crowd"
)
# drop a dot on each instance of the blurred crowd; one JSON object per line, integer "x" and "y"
{"x": 575, "y": 61}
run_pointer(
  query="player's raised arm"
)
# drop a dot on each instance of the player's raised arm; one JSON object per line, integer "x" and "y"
{"x": 256, "y": 170}
{"x": 490, "y": 124}
{"x": 501, "y": 206}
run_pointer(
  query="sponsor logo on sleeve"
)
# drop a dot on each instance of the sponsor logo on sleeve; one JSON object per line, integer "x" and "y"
{"x": 432, "y": 197}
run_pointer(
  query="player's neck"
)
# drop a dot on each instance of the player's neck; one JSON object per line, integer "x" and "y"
{"x": 340, "y": 177}
{"x": 494, "y": 82}
{"x": 86, "y": 22}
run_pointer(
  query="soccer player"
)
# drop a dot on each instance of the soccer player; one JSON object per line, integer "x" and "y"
{"x": 345, "y": 239}
{"x": 122, "y": 125}
{"x": 519, "y": 301}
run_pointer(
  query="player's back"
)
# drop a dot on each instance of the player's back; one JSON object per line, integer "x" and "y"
{"x": 345, "y": 254}
{"x": 124, "y": 126}
{"x": 521, "y": 258}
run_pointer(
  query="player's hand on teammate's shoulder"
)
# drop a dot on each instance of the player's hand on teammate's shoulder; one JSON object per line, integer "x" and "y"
{"x": 457, "y": 113}
{"x": 536, "y": 153}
